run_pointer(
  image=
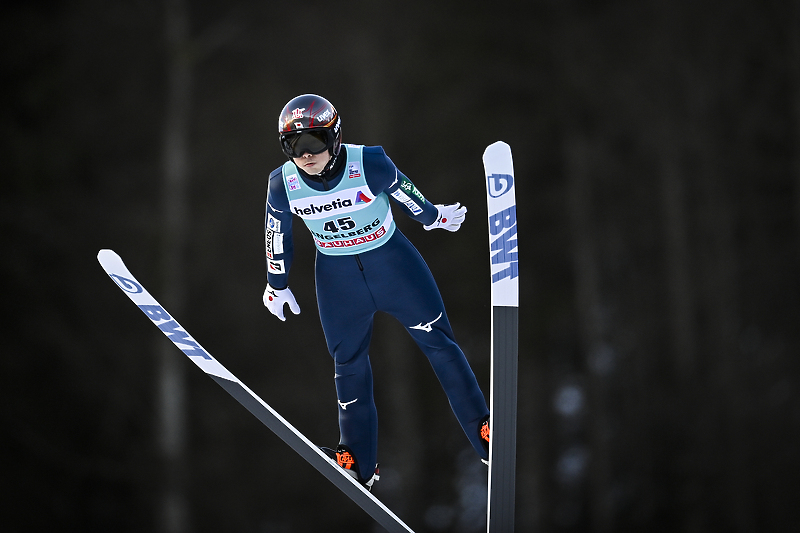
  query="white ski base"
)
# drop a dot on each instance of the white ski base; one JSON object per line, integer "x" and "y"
{"x": 504, "y": 268}
{"x": 118, "y": 272}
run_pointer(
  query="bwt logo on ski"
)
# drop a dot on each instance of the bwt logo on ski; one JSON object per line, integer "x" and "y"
{"x": 127, "y": 285}
{"x": 504, "y": 225}
{"x": 499, "y": 184}
{"x": 174, "y": 331}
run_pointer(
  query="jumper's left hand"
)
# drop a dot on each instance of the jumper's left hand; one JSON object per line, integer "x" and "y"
{"x": 450, "y": 217}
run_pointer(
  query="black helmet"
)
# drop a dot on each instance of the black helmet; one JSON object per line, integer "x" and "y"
{"x": 309, "y": 123}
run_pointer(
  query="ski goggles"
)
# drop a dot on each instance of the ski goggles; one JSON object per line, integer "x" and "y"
{"x": 312, "y": 141}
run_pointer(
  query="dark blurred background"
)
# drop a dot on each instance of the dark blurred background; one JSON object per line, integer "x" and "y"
{"x": 657, "y": 155}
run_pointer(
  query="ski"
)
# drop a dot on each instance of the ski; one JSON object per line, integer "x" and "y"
{"x": 502, "y": 208}
{"x": 119, "y": 273}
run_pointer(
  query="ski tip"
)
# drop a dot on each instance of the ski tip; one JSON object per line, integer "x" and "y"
{"x": 497, "y": 146}
{"x": 105, "y": 253}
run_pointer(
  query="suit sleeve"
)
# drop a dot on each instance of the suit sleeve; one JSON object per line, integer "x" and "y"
{"x": 383, "y": 176}
{"x": 278, "y": 232}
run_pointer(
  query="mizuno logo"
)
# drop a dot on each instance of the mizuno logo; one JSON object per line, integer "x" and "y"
{"x": 344, "y": 405}
{"x": 427, "y": 327}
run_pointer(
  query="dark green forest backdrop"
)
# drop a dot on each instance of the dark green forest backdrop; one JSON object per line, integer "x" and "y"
{"x": 657, "y": 153}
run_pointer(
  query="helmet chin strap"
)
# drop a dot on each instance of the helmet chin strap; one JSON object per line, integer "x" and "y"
{"x": 329, "y": 166}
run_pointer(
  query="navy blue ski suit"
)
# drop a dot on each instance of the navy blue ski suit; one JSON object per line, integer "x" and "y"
{"x": 392, "y": 278}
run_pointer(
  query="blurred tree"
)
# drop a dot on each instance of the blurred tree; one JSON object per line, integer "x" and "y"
{"x": 172, "y": 417}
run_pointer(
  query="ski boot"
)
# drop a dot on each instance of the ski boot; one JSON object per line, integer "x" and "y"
{"x": 344, "y": 458}
{"x": 483, "y": 431}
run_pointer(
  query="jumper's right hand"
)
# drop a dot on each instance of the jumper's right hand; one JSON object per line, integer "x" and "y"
{"x": 275, "y": 298}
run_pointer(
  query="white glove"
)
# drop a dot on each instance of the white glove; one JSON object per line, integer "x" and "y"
{"x": 450, "y": 217}
{"x": 274, "y": 300}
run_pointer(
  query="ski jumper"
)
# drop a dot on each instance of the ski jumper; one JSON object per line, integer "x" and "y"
{"x": 362, "y": 254}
